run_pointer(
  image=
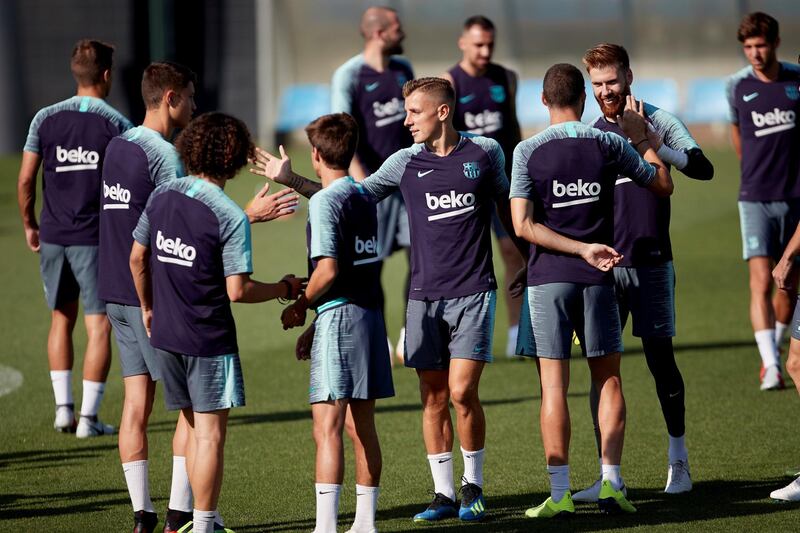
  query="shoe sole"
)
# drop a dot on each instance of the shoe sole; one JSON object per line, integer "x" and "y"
{"x": 561, "y": 515}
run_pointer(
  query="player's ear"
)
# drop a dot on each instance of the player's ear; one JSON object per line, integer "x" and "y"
{"x": 629, "y": 76}
{"x": 171, "y": 98}
{"x": 443, "y": 111}
{"x": 544, "y": 100}
{"x": 461, "y": 44}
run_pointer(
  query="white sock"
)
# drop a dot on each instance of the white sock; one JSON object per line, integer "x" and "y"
{"x": 473, "y": 466}
{"x": 677, "y": 449}
{"x": 611, "y": 473}
{"x": 62, "y": 386}
{"x": 366, "y": 505}
{"x": 765, "y": 339}
{"x": 780, "y": 329}
{"x": 92, "y": 395}
{"x": 218, "y": 518}
{"x": 203, "y": 521}
{"x": 180, "y": 495}
{"x": 559, "y": 481}
{"x": 327, "y": 507}
{"x": 138, "y": 485}
{"x": 511, "y": 343}
{"x": 442, "y": 471}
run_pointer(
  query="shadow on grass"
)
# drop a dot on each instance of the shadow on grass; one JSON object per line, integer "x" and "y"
{"x": 60, "y": 503}
{"x": 31, "y": 459}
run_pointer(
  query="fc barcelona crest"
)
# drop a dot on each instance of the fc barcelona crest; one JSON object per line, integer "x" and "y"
{"x": 497, "y": 93}
{"x": 472, "y": 170}
{"x": 793, "y": 92}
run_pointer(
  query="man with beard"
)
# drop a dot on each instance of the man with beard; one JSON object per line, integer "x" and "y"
{"x": 485, "y": 105}
{"x": 644, "y": 278}
{"x": 764, "y": 100}
{"x": 369, "y": 87}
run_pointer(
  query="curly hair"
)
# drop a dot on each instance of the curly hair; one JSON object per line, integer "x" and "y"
{"x": 215, "y": 145}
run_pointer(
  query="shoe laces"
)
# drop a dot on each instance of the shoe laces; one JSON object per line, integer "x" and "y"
{"x": 440, "y": 500}
{"x": 469, "y": 492}
{"x": 679, "y": 470}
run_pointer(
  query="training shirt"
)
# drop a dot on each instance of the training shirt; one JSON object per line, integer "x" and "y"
{"x": 568, "y": 171}
{"x": 375, "y": 100}
{"x": 641, "y": 218}
{"x": 484, "y": 106}
{"x": 449, "y": 203}
{"x": 343, "y": 225}
{"x": 71, "y": 138}
{"x": 198, "y": 236}
{"x": 136, "y": 162}
{"x": 766, "y": 114}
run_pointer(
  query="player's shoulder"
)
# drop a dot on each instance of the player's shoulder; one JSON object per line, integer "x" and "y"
{"x": 98, "y": 106}
{"x": 488, "y": 145}
{"x": 737, "y": 77}
{"x": 401, "y": 62}
{"x": 350, "y": 68}
{"x": 790, "y": 70}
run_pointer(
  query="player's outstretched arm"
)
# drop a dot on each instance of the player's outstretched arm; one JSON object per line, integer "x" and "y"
{"x": 321, "y": 281}
{"x": 634, "y": 125}
{"x": 264, "y": 207}
{"x": 26, "y": 197}
{"x": 139, "y": 262}
{"x": 600, "y": 256}
{"x": 783, "y": 269}
{"x": 279, "y": 170}
{"x": 241, "y": 288}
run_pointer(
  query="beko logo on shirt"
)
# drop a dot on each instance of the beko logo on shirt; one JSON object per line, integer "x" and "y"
{"x": 460, "y": 203}
{"x": 388, "y": 112}
{"x": 370, "y": 247}
{"x": 118, "y": 194}
{"x": 181, "y": 253}
{"x": 82, "y": 159}
{"x": 585, "y": 192}
{"x": 777, "y": 120}
{"x": 484, "y": 122}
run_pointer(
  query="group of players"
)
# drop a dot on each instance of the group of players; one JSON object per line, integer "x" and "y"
{"x": 586, "y": 209}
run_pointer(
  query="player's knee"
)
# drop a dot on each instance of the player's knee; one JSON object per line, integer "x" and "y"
{"x": 793, "y": 363}
{"x": 464, "y": 396}
{"x": 98, "y": 326}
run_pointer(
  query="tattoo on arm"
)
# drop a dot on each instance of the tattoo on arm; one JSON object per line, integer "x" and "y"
{"x": 303, "y": 185}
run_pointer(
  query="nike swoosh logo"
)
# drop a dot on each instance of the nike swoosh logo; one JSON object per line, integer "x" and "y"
{"x": 658, "y": 326}
{"x": 327, "y": 492}
{"x": 421, "y": 174}
{"x": 748, "y": 97}
{"x": 673, "y": 395}
{"x": 372, "y": 86}
{"x": 466, "y": 99}
{"x": 443, "y": 461}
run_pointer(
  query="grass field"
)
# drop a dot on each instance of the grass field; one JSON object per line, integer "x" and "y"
{"x": 740, "y": 439}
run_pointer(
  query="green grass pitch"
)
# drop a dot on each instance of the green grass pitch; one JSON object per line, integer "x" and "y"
{"x": 740, "y": 439}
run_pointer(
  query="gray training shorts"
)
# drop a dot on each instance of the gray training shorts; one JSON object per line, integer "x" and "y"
{"x": 555, "y": 310}
{"x": 202, "y": 384}
{"x": 349, "y": 356}
{"x": 767, "y": 227}
{"x": 456, "y": 328}
{"x": 69, "y": 272}
{"x": 136, "y": 356}
{"x": 648, "y": 294}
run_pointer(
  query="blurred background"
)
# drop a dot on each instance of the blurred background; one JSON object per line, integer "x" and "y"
{"x": 270, "y": 61}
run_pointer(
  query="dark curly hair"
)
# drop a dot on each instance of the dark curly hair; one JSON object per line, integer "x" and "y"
{"x": 215, "y": 145}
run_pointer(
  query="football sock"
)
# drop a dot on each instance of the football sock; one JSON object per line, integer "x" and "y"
{"x": 677, "y": 449}
{"x": 765, "y": 339}
{"x": 366, "y": 505}
{"x": 660, "y": 358}
{"x": 138, "y": 485}
{"x": 180, "y": 495}
{"x": 92, "y": 395}
{"x": 780, "y": 330}
{"x": 442, "y": 470}
{"x": 611, "y": 473}
{"x": 473, "y": 466}
{"x": 218, "y": 518}
{"x": 559, "y": 481}
{"x": 511, "y": 343}
{"x": 203, "y": 521}
{"x": 62, "y": 386}
{"x": 327, "y": 507}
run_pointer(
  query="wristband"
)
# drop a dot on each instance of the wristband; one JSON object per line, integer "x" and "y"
{"x": 288, "y": 297}
{"x": 636, "y": 145}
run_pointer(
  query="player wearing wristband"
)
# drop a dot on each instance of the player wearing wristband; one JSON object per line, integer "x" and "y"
{"x": 644, "y": 278}
{"x": 562, "y": 202}
{"x": 449, "y": 182}
{"x": 486, "y": 105}
{"x": 350, "y": 366}
{"x": 200, "y": 240}
{"x": 764, "y": 100}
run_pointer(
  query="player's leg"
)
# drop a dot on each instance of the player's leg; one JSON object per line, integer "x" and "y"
{"x": 360, "y": 425}
{"x": 179, "y": 508}
{"x": 329, "y": 418}
{"x": 207, "y": 452}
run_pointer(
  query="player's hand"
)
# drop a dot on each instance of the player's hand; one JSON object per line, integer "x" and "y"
{"x": 264, "y": 207}
{"x": 278, "y": 169}
{"x": 518, "y": 283}
{"x": 781, "y": 273}
{"x": 600, "y": 256}
{"x": 147, "y": 320}
{"x": 298, "y": 285}
{"x": 293, "y": 316}
{"x": 302, "y": 349}
{"x": 653, "y": 138}
{"x": 632, "y": 120}
{"x": 32, "y": 239}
